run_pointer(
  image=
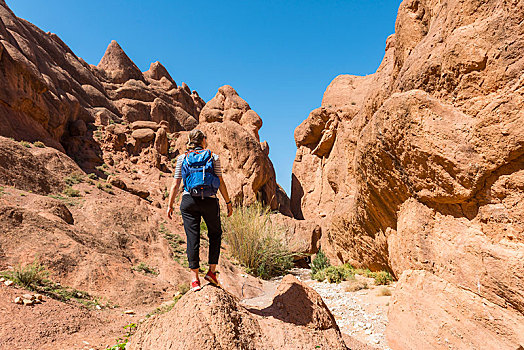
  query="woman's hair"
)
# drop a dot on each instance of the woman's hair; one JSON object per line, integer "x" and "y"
{"x": 195, "y": 139}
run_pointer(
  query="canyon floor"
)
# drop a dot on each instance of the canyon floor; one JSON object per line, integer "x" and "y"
{"x": 361, "y": 315}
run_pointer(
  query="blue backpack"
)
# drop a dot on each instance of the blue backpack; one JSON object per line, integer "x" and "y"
{"x": 198, "y": 173}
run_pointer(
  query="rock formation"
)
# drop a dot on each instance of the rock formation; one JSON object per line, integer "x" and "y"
{"x": 113, "y": 112}
{"x": 48, "y": 92}
{"x": 232, "y": 128}
{"x": 417, "y": 169}
{"x": 214, "y": 319}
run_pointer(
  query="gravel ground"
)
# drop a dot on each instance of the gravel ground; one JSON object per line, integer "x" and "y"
{"x": 361, "y": 314}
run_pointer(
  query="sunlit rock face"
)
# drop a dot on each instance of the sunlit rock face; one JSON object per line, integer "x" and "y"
{"x": 418, "y": 167}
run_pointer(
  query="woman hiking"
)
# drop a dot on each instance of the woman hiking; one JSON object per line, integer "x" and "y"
{"x": 201, "y": 173}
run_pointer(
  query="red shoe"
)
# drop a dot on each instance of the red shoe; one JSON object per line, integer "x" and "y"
{"x": 195, "y": 286}
{"x": 211, "y": 277}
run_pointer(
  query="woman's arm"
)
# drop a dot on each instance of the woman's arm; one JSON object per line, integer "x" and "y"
{"x": 173, "y": 193}
{"x": 225, "y": 195}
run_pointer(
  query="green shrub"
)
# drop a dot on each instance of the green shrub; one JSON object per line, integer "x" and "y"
{"x": 102, "y": 167}
{"x": 74, "y": 178}
{"x": 143, "y": 267}
{"x": 256, "y": 243}
{"x": 183, "y": 288}
{"x": 334, "y": 274}
{"x": 71, "y": 192}
{"x": 30, "y": 276}
{"x": 26, "y": 144}
{"x": 320, "y": 275}
{"x": 39, "y": 144}
{"x": 92, "y": 176}
{"x": 106, "y": 188}
{"x": 121, "y": 342}
{"x": 382, "y": 278}
{"x": 348, "y": 272}
{"x": 384, "y": 292}
{"x": 320, "y": 262}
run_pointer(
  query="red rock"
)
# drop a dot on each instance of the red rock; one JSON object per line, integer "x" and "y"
{"x": 222, "y": 322}
{"x": 118, "y": 66}
{"x": 157, "y": 71}
{"x": 143, "y": 135}
{"x": 143, "y": 124}
{"x": 414, "y": 168}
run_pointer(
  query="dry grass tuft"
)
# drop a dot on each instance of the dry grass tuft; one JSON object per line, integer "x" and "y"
{"x": 384, "y": 292}
{"x": 356, "y": 285}
{"x": 256, "y": 242}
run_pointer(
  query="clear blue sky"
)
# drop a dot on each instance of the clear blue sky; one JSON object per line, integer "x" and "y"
{"x": 279, "y": 55}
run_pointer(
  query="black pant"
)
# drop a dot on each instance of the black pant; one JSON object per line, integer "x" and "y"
{"x": 193, "y": 209}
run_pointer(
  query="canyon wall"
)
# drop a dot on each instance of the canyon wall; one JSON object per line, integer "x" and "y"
{"x": 418, "y": 169}
{"x": 95, "y": 114}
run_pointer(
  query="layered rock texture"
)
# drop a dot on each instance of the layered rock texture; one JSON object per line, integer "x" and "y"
{"x": 112, "y": 113}
{"x": 418, "y": 167}
{"x": 214, "y": 319}
{"x": 232, "y": 128}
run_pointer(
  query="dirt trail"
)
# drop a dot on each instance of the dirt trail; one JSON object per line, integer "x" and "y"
{"x": 361, "y": 315}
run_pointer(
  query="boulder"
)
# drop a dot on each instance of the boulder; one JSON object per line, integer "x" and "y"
{"x": 427, "y": 312}
{"x": 78, "y": 128}
{"x": 118, "y": 183}
{"x": 232, "y": 129}
{"x": 215, "y": 319}
{"x": 161, "y": 141}
{"x": 143, "y": 135}
{"x": 144, "y": 124}
{"x": 137, "y": 191}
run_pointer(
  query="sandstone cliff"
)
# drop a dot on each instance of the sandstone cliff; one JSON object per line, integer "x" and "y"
{"x": 419, "y": 167}
{"x": 114, "y": 114}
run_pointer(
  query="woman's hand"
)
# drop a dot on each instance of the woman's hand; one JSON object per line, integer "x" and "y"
{"x": 229, "y": 209}
{"x": 170, "y": 212}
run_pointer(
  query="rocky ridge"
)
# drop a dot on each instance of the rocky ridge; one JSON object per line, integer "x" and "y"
{"x": 214, "y": 319}
{"x": 418, "y": 170}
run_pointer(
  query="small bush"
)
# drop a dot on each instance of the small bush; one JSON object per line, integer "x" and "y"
{"x": 106, "y": 188}
{"x": 143, "y": 267}
{"x": 39, "y": 144}
{"x": 334, "y": 274}
{"x": 74, "y": 178}
{"x": 121, "y": 342}
{"x": 320, "y": 262}
{"x": 384, "y": 292}
{"x": 256, "y": 243}
{"x": 71, "y": 192}
{"x": 30, "y": 276}
{"x": 183, "y": 288}
{"x": 92, "y": 176}
{"x": 320, "y": 275}
{"x": 382, "y": 278}
{"x": 356, "y": 285}
{"x": 102, "y": 167}
{"x": 25, "y": 144}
